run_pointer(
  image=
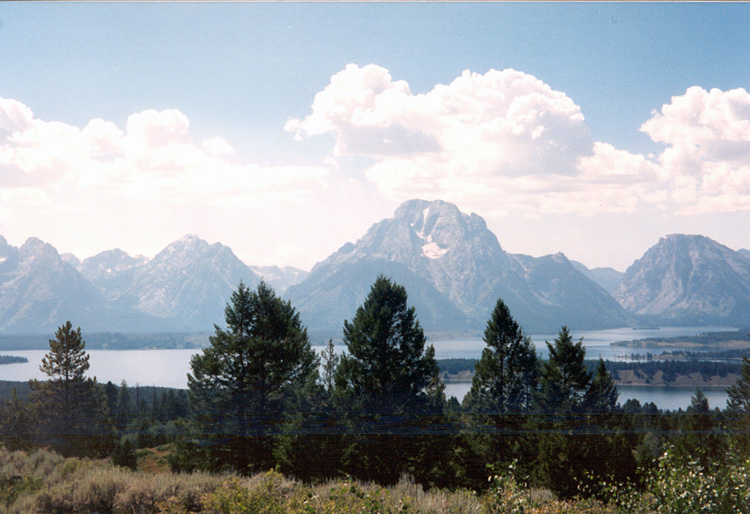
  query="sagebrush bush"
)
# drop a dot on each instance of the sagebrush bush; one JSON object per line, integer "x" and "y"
{"x": 42, "y": 482}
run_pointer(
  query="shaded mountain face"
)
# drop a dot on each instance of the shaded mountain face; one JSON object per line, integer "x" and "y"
{"x": 111, "y": 271}
{"x": 187, "y": 285}
{"x": 457, "y": 271}
{"x": 689, "y": 280}
{"x": 608, "y": 278}
{"x": 567, "y": 296}
{"x": 39, "y": 291}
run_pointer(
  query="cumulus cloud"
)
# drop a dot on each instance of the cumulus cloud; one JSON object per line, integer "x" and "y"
{"x": 153, "y": 157}
{"x": 501, "y": 123}
{"x": 707, "y": 159}
{"x": 483, "y": 138}
{"x": 507, "y": 137}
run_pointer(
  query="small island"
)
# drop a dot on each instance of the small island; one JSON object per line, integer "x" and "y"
{"x": 12, "y": 359}
{"x": 732, "y": 340}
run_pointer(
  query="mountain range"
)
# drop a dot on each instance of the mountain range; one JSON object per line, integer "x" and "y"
{"x": 452, "y": 266}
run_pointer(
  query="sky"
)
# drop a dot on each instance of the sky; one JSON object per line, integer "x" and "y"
{"x": 284, "y": 130}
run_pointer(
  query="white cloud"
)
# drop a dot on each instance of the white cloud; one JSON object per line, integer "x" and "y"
{"x": 14, "y": 116}
{"x": 217, "y": 146}
{"x": 507, "y": 138}
{"x": 707, "y": 160}
{"x": 503, "y": 123}
{"x": 154, "y": 157}
{"x": 24, "y": 196}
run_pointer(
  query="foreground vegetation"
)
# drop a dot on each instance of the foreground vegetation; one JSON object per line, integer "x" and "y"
{"x": 260, "y": 398}
{"x": 44, "y": 482}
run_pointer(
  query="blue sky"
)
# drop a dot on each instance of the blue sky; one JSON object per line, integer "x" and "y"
{"x": 235, "y": 74}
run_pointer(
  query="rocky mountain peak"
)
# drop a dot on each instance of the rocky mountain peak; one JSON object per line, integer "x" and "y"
{"x": 108, "y": 262}
{"x": 37, "y": 250}
{"x": 187, "y": 243}
{"x": 688, "y": 279}
{"x": 457, "y": 270}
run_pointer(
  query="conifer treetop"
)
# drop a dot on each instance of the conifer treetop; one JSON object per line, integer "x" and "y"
{"x": 67, "y": 359}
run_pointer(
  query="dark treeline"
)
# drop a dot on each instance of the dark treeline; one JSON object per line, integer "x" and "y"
{"x": 720, "y": 355}
{"x": 671, "y": 369}
{"x": 110, "y": 341}
{"x": 708, "y": 339}
{"x": 260, "y": 398}
{"x": 11, "y": 359}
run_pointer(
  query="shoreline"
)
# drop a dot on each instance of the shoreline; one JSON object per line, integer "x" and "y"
{"x": 635, "y": 378}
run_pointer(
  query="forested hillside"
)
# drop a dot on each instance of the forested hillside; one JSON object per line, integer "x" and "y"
{"x": 259, "y": 398}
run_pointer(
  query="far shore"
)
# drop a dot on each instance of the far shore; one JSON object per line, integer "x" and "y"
{"x": 635, "y": 378}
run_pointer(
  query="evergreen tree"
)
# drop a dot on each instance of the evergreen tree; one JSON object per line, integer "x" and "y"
{"x": 505, "y": 376}
{"x": 738, "y": 407}
{"x": 330, "y": 363}
{"x": 562, "y": 457}
{"x": 565, "y": 378}
{"x": 124, "y": 408}
{"x": 242, "y": 385}
{"x": 602, "y": 393}
{"x": 383, "y": 382}
{"x": 738, "y": 401}
{"x": 387, "y": 367}
{"x": 71, "y": 409}
{"x": 699, "y": 436}
{"x": 501, "y": 395}
{"x": 15, "y": 423}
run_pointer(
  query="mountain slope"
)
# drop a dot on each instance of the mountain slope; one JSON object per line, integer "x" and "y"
{"x": 565, "y": 293}
{"x": 280, "y": 278}
{"x": 187, "y": 285}
{"x": 111, "y": 271}
{"x": 39, "y": 291}
{"x": 457, "y": 271}
{"x": 607, "y": 278}
{"x": 686, "y": 279}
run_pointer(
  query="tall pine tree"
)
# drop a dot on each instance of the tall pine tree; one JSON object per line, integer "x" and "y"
{"x": 383, "y": 382}
{"x": 70, "y": 408}
{"x": 502, "y": 393}
{"x": 505, "y": 377}
{"x": 244, "y": 384}
{"x": 738, "y": 407}
{"x": 565, "y": 378}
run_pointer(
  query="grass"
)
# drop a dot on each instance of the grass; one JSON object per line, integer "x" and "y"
{"x": 154, "y": 460}
{"x": 42, "y": 482}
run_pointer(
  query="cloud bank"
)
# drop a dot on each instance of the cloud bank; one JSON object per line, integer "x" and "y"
{"x": 153, "y": 157}
{"x": 505, "y": 140}
{"x": 502, "y": 142}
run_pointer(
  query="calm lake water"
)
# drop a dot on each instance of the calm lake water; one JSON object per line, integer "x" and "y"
{"x": 169, "y": 368}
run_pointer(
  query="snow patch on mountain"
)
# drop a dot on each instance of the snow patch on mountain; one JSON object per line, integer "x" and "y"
{"x": 433, "y": 251}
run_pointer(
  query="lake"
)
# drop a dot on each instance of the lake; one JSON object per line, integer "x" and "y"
{"x": 169, "y": 368}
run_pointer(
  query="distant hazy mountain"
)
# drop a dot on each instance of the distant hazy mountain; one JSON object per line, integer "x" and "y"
{"x": 39, "y": 291}
{"x": 452, "y": 266}
{"x": 71, "y": 259}
{"x": 567, "y": 296}
{"x": 188, "y": 284}
{"x": 111, "y": 272}
{"x": 690, "y": 280}
{"x": 744, "y": 252}
{"x": 608, "y": 278}
{"x": 280, "y": 278}
{"x": 454, "y": 270}
{"x": 183, "y": 288}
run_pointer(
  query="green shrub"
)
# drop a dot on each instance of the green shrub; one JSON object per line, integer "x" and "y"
{"x": 234, "y": 498}
{"x": 683, "y": 486}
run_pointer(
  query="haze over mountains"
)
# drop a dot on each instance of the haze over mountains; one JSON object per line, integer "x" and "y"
{"x": 453, "y": 267}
